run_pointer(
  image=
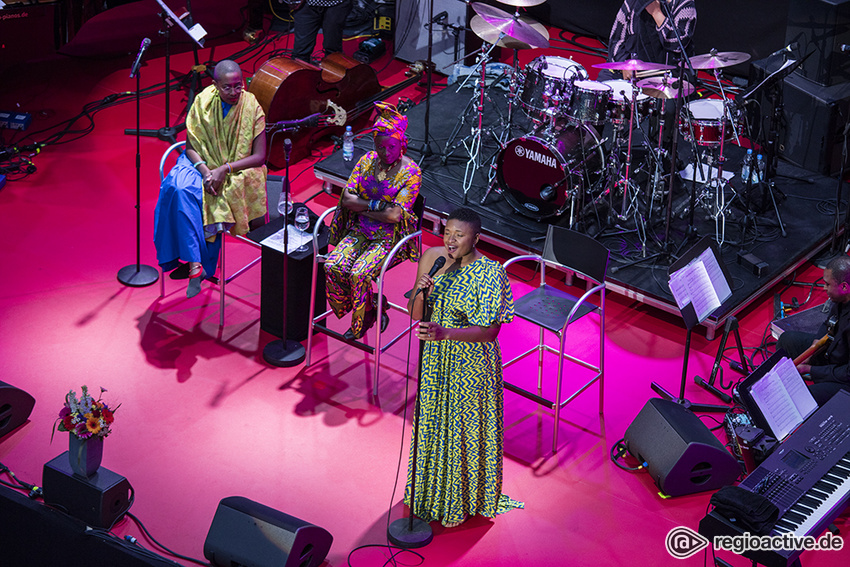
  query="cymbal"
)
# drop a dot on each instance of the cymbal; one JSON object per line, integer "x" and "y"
{"x": 521, "y": 3}
{"x": 492, "y": 35}
{"x": 664, "y": 87}
{"x": 633, "y": 65}
{"x": 507, "y": 24}
{"x": 715, "y": 60}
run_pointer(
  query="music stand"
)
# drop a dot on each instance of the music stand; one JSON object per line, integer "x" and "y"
{"x": 700, "y": 284}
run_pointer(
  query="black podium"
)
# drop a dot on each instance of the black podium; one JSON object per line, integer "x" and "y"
{"x": 299, "y": 278}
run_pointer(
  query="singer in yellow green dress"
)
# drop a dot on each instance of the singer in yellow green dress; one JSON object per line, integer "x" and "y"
{"x": 460, "y": 424}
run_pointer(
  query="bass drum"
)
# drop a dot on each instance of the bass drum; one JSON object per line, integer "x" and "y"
{"x": 540, "y": 176}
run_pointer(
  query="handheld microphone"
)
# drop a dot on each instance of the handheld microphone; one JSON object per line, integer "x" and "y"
{"x": 438, "y": 263}
{"x": 287, "y": 148}
{"x": 138, "y": 62}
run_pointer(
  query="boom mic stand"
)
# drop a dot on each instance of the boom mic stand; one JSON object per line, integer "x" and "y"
{"x": 426, "y": 143}
{"x": 413, "y": 532}
{"x": 285, "y": 353}
{"x": 138, "y": 274}
{"x": 197, "y": 33}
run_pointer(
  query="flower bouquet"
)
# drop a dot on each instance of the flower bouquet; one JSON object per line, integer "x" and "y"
{"x": 89, "y": 421}
{"x": 86, "y": 417}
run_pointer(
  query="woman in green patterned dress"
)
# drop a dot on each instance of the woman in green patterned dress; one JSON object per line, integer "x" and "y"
{"x": 459, "y": 453}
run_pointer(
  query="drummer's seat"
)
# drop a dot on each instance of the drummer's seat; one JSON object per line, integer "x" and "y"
{"x": 555, "y": 311}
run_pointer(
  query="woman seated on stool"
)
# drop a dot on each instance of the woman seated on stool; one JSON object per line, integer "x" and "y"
{"x": 218, "y": 184}
{"x": 375, "y": 212}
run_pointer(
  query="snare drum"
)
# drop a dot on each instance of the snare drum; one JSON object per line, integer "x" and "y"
{"x": 620, "y": 106}
{"x": 706, "y": 119}
{"x": 589, "y": 102}
{"x": 548, "y": 80}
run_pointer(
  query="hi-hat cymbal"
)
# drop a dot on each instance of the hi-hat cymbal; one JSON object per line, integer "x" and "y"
{"x": 664, "y": 87}
{"x": 492, "y": 35}
{"x": 717, "y": 60}
{"x": 507, "y": 24}
{"x": 633, "y": 65}
{"x": 521, "y": 3}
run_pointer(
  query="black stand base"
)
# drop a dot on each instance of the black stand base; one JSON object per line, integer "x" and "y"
{"x": 400, "y": 534}
{"x": 284, "y": 353}
{"x": 166, "y": 133}
{"x": 696, "y": 408}
{"x": 138, "y": 275}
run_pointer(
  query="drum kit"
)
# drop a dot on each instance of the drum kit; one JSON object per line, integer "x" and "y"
{"x": 564, "y": 165}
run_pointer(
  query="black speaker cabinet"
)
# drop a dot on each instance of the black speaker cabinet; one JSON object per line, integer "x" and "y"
{"x": 244, "y": 532}
{"x": 820, "y": 27}
{"x": 99, "y": 500}
{"x": 15, "y": 407}
{"x": 681, "y": 454}
{"x": 811, "y": 129}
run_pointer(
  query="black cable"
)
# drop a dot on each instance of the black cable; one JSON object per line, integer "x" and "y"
{"x": 161, "y": 546}
{"x": 621, "y": 450}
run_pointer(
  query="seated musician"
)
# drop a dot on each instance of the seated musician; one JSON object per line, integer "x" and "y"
{"x": 376, "y": 211}
{"x": 218, "y": 184}
{"x": 829, "y": 370}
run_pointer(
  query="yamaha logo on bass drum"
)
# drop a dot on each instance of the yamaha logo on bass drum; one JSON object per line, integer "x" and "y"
{"x": 544, "y": 159}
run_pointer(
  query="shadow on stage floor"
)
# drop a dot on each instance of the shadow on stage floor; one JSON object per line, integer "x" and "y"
{"x": 754, "y": 249}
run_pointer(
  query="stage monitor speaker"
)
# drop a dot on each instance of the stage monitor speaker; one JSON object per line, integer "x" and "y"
{"x": 99, "y": 500}
{"x": 681, "y": 454}
{"x": 813, "y": 118}
{"x": 15, "y": 407}
{"x": 820, "y": 27}
{"x": 244, "y": 532}
{"x": 411, "y": 33}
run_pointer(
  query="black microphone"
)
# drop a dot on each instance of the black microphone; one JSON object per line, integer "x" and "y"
{"x": 438, "y": 263}
{"x": 287, "y": 148}
{"x": 138, "y": 62}
{"x": 787, "y": 49}
{"x": 444, "y": 15}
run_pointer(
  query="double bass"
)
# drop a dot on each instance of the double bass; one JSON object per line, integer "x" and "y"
{"x": 291, "y": 89}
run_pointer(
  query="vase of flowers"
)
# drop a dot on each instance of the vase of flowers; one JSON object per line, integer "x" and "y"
{"x": 88, "y": 421}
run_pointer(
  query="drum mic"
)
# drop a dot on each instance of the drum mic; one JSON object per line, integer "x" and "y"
{"x": 547, "y": 193}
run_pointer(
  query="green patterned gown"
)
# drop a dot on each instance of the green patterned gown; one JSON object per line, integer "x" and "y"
{"x": 459, "y": 462}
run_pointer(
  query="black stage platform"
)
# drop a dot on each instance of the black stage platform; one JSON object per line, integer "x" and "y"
{"x": 806, "y": 204}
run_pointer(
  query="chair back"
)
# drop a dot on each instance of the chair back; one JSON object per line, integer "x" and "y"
{"x": 175, "y": 146}
{"x": 419, "y": 210}
{"x": 274, "y": 187}
{"x": 576, "y": 251}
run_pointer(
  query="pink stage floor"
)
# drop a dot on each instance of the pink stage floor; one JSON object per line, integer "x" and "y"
{"x": 202, "y": 417}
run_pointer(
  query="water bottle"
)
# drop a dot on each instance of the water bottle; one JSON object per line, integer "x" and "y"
{"x": 745, "y": 167}
{"x": 348, "y": 144}
{"x": 758, "y": 170}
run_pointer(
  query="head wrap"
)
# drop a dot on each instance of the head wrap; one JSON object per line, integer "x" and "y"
{"x": 390, "y": 122}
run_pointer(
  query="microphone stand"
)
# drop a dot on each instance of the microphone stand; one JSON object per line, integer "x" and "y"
{"x": 138, "y": 274}
{"x": 413, "y": 532}
{"x": 285, "y": 353}
{"x": 426, "y": 144}
{"x": 675, "y": 145}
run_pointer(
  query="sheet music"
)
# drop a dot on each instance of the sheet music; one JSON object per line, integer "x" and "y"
{"x": 715, "y": 274}
{"x": 796, "y": 388}
{"x": 296, "y": 239}
{"x": 783, "y": 398}
{"x": 679, "y": 289}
